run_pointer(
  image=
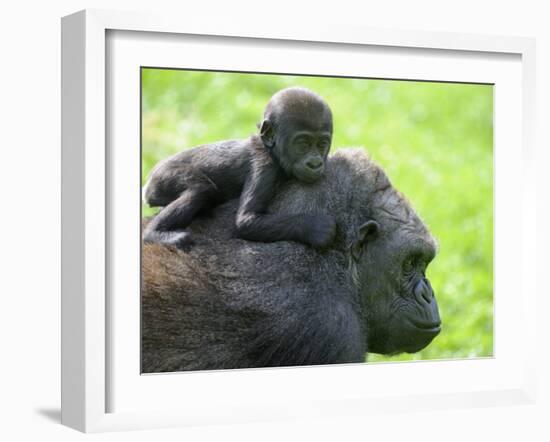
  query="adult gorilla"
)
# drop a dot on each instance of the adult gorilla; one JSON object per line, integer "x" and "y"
{"x": 230, "y": 303}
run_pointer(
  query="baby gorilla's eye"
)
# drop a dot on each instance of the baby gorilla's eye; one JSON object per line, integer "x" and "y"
{"x": 302, "y": 143}
{"x": 323, "y": 146}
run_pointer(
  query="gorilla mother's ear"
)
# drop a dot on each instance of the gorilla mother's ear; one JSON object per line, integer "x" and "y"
{"x": 267, "y": 134}
{"x": 367, "y": 232}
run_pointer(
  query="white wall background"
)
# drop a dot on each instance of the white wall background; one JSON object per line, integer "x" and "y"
{"x": 29, "y": 188}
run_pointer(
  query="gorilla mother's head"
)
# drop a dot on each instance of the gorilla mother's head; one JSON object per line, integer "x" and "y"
{"x": 388, "y": 249}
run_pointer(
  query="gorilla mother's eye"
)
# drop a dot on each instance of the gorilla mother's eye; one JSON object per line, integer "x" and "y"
{"x": 408, "y": 264}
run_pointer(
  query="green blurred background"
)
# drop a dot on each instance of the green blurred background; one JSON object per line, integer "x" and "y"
{"x": 435, "y": 141}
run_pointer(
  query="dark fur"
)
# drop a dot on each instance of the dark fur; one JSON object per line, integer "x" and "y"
{"x": 200, "y": 178}
{"x": 230, "y": 303}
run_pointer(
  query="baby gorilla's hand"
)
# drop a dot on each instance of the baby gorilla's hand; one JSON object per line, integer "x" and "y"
{"x": 321, "y": 230}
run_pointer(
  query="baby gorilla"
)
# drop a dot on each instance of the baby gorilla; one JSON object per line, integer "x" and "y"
{"x": 294, "y": 140}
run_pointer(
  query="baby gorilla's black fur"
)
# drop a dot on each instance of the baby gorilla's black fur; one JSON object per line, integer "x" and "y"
{"x": 294, "y": 141}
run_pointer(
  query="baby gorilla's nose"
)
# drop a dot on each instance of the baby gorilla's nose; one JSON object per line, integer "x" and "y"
{"x": 314, "y": 164}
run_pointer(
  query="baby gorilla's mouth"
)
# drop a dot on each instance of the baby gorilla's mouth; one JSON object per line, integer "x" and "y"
{"x": 310, "y": 177}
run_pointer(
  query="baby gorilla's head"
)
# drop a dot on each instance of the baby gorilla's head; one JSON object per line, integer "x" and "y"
{"x": 297, "y": 128}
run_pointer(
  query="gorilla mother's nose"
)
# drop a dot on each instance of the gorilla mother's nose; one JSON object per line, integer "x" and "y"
{"x": 423, "y": 291}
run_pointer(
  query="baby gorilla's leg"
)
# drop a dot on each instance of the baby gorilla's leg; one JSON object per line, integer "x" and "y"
{"x": 167, "y": 227}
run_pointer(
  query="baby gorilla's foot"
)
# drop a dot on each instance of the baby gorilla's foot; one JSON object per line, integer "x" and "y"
{"x": 180, "y": 239}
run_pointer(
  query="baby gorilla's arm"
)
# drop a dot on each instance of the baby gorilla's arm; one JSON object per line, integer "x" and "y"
{"x": 254, "y": 224}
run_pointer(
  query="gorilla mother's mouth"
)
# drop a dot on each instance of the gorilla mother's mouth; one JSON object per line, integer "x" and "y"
{"x": 434, "y": 327}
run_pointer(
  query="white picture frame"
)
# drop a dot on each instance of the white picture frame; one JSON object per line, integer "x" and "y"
{"x": 87, "y": 356}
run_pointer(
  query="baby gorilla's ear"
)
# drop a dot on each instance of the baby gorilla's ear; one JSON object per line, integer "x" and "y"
{"x": 267, "y": 133}
{"x": 367, "y": 232}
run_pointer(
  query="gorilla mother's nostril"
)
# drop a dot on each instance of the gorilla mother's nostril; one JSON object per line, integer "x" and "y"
{"x": 429, "y": 295}
{"x": 423, "y": 291}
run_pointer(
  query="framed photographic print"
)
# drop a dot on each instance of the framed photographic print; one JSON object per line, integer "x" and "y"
{"x": 249, "y": 214}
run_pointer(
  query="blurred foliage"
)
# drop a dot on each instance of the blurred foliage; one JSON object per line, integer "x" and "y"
{"x": 435, "y": 141}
